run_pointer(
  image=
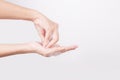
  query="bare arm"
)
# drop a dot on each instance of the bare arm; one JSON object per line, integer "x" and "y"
{"x": 47, "y": 29}
{"x": 12, "y": 49}
{"x": 12, "y": 11}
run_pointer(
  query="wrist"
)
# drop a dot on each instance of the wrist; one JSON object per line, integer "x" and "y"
{"x": 35, "y": 47}
{"x": 28, "y": 14}
{"x": 28, "y": 48}
{"x": 34, "y": 15}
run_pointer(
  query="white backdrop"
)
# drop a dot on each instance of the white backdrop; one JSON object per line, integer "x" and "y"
{"x": 91, "y": 24}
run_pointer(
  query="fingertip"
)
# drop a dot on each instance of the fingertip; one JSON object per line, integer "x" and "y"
{"x": 71, "y": 47}
{"x": 75, "y": 46}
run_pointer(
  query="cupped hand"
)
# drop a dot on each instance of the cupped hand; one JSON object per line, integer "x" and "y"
{"x": 53, "y": 51}
{"x": 47, "y": 29}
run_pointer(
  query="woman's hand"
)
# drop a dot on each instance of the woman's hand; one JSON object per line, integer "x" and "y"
{"x": 47, "y": 30}
{"x": 53, "y": 51}
{"x": 33, "y": 47}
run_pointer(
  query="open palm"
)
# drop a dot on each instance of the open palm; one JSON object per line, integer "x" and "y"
{"x": 53, "y": 51}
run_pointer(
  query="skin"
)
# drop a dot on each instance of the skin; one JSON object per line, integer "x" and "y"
{"x": 33, "y": 47}
{"x": 46, "y": 28}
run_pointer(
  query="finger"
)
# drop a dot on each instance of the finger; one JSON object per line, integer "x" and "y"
{"x": 59, "y": 50}
{"x": 54, "y": 40}
{"x": 70, "y": 47}
{"x": 64, "y": 49}
{"x": 41, "y": 32}
{"x": 56, "y": 45}
{"x": 47, "y": 37}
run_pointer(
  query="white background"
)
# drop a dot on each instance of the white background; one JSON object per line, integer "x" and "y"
{"x": 94, "y": 25}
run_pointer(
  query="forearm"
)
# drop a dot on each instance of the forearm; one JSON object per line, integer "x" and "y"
{"x": 12, "y": 11}
{"x": 12, "y": 49}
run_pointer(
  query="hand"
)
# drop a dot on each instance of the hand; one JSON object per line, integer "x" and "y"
{"x": 53, "y": 51}
{"x": 47, "y": 29}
